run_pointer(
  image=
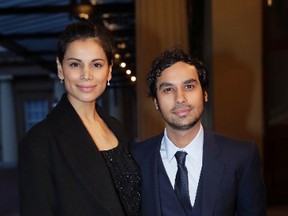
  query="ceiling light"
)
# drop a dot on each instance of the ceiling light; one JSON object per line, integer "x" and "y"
{"x": 93, "y": 2}
{"x": 84, "y": 16}
{"x": 122, "y": 64}
{"x": 127, "y": 55}
{"x": 133, "y": 78}
{"x": 128, "y": 72}
{"x": 121, "y": 45}
{"x": 83, "y": 10}
{"x": 117, "y": 56}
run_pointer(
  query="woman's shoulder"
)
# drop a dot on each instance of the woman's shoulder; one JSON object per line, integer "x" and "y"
{"x": 37, "y": 135}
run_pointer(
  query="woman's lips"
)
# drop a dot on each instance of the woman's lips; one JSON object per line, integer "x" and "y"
{"x": 86, "y": 88}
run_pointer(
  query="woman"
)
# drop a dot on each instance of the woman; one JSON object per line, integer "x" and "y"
{"x": 76, "y": 162}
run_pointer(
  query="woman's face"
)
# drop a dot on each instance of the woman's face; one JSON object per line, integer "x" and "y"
{"x": 85, "y": 70}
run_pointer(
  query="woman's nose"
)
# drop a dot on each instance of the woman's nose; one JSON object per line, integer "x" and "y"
{"x": 86, "y": 74}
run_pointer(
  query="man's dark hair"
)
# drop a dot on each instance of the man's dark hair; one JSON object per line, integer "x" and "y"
{"x": 169, "y": 58}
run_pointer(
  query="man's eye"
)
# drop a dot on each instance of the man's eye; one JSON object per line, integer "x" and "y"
{"x": 167, "y": 90}
{"x": 189, "y": 86}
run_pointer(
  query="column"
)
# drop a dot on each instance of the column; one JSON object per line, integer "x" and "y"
{"x": 7, "y": 121}
{"x": 160, "y": 25}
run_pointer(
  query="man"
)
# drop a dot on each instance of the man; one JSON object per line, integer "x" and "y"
{"x": 218, "y": 176}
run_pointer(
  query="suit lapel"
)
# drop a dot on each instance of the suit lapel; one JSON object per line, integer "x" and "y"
{"x": 81, "y": 153}
{"x": 212, "y": 172}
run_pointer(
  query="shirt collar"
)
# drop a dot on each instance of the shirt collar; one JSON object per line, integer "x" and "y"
{"x": 194, "y": 148}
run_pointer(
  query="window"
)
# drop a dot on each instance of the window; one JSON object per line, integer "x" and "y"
{"x": 35, "y": 111}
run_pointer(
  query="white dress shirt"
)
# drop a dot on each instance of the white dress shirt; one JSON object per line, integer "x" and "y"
{"x": 193, "y": 160}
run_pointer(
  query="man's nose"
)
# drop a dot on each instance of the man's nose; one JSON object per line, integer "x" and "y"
{"x": 180, "y": 96}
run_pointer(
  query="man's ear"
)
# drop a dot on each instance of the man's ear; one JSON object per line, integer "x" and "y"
{"x": 156, "y": 103}
{"x": 59, "y": 69}
{"x": 205, "y": 96}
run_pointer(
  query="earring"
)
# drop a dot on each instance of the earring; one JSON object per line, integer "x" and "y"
{"x": 108, "y": 82}
{"x": 61, "y": 80}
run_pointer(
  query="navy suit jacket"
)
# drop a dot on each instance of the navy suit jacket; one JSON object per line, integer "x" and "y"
{"x": 232, "y": 183}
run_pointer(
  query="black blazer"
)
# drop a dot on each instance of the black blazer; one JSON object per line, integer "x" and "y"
{"x": 61, "y": 172}
{"x": 231, "y": 177}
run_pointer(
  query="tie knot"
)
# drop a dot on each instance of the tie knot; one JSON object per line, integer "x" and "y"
{"x": 180, "y": 157}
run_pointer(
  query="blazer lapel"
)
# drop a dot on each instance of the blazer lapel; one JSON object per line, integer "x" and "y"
{"x": 212, "y": 172}
{"x": 81, "y": 153}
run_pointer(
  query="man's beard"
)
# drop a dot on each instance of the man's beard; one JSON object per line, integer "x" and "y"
{"x": 182, "y": 127}
{"x": 177, "y": 125}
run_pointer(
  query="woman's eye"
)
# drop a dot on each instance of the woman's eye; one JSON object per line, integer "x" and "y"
{"x": 97, "y": 65}
{"x": 74, "y": 64}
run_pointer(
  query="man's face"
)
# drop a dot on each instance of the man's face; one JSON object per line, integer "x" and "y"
{"x": 180, "y": 97}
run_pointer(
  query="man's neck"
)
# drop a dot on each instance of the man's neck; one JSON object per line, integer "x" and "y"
{"x": 181, "y": 138}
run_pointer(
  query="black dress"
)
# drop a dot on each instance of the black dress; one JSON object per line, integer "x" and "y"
{"x": 126, "y": 177}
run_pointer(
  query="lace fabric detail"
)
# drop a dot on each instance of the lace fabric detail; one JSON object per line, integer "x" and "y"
{"x": 126, "y": 177}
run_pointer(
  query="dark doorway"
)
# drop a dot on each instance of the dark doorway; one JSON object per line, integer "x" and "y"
{"x": 275, "y": 73}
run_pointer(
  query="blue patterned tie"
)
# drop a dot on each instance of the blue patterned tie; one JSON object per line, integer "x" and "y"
{"x": 181, "y": 182}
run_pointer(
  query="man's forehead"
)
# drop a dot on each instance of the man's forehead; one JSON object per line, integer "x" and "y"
{"x": 179, "y": 71}
{"x": 164, "y": 83}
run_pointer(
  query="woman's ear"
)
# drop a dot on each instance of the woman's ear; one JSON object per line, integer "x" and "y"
{"x": 59, "y": 69}
{"x": 109, "y": 77}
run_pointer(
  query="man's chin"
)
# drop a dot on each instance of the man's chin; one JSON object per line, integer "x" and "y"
{"x": 183, "y": 127}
